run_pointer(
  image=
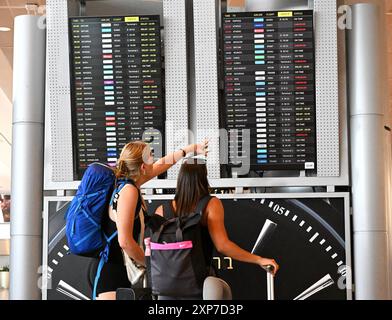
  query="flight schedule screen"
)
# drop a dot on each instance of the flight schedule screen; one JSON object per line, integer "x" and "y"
{"x": 116, "y": 86}
{"x": 269, "y": 76}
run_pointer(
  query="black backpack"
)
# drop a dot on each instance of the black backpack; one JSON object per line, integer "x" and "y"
{"x": 178, "y": 266}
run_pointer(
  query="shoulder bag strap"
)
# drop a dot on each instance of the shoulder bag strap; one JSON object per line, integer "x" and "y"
{"x": 168, "y": 212}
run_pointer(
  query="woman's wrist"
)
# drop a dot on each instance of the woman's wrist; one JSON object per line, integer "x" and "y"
{"x": 189, "y": 148}
{"x": 259, "y": 260}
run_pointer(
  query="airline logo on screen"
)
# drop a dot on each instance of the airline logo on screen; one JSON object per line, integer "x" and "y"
{"x": 116, "y": 86}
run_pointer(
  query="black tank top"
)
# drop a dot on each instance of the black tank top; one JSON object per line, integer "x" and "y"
{"x": 109, "y": 227}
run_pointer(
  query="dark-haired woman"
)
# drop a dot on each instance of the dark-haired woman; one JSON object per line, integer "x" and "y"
{"x": 135, "y": 165}
{"x": 192, "y": 185}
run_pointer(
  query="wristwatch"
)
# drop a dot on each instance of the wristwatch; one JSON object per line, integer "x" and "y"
{"x": 183, "y": 153}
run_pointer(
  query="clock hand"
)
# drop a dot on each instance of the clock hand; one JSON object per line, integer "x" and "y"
{"x": 264, "y": 235}
{"x": 323, "y": 283}
{"x": 69, "y": 291}
{"x": 67, "y": 294}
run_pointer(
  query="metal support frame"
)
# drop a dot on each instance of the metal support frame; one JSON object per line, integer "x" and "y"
{"x": 59, "y": 164}
{"x": 332, "y": 156}
{"x": 58, "y": 128}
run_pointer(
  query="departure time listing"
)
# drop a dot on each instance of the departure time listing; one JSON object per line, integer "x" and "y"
{"x": 270, "y": 87}
{"x": 116, "y": 85}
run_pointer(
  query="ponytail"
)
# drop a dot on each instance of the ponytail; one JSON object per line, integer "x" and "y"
{"x": 130, "y": 160}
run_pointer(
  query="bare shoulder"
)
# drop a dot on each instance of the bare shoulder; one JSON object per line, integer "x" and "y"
{"x": 159, "y": 210}
{"x": 129, "y": 190}
{"x": 214, "y": 204}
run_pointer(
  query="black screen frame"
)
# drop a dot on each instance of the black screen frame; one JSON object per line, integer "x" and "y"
{"x": 77, "y": 172}
{"x": 223, "y": 108}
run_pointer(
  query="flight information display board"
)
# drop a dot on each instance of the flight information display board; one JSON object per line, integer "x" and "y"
{"x": 116, "y": 86}
{"x": 269, "y": 76}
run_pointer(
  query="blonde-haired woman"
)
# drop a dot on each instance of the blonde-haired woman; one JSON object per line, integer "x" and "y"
{"x": 135, "y": 165}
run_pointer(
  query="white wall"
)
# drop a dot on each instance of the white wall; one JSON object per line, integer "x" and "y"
{"x": 4, "y": 261}
{"x": 5, "y": 149}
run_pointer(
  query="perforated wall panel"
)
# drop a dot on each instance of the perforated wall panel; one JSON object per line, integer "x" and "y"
{"x": 206, "y": 79}
{"x": 327, "y": 98}
{"x": 58, "y": 129}
{"x": 176, "y": 74}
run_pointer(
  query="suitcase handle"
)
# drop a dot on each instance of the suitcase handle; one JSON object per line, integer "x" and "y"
{"x": 269, "y": 268}
{"x": 270, "y": 282}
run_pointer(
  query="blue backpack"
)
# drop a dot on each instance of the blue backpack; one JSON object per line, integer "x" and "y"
{"x": 84, "y": 233}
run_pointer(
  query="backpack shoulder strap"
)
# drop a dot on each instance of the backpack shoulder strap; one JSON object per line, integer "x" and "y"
{"x": 116, "y": 193}
{"x": 202, "y": 204}
{"x": 168, "y": 211}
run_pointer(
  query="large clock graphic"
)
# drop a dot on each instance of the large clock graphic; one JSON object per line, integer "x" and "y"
{"x": 307, "y": 234}
{"x": 66, "y": 276}
{"x": 308, "y": 237}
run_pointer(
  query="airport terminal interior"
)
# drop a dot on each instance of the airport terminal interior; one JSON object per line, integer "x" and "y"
{"x": 293, "y": 96}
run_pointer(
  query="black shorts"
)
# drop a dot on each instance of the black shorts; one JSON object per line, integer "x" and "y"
{"x": 113, "y": 276}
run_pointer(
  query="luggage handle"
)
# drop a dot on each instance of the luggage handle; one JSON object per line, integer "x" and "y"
{"x": 269, "y": 268}
{"x": 270, "y": 282}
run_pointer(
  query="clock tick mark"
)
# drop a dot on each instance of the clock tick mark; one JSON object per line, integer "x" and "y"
{"x": 314, "y": 237}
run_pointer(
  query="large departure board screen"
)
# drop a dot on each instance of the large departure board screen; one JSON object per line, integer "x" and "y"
{"x": 116, "y": 86}
{"x": 269, "y": 76}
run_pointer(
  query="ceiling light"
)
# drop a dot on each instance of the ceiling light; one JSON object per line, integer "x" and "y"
{"x": 5, "y": 29}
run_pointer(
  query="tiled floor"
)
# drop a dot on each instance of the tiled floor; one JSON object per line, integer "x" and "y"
{"x": 4, "y": 294}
